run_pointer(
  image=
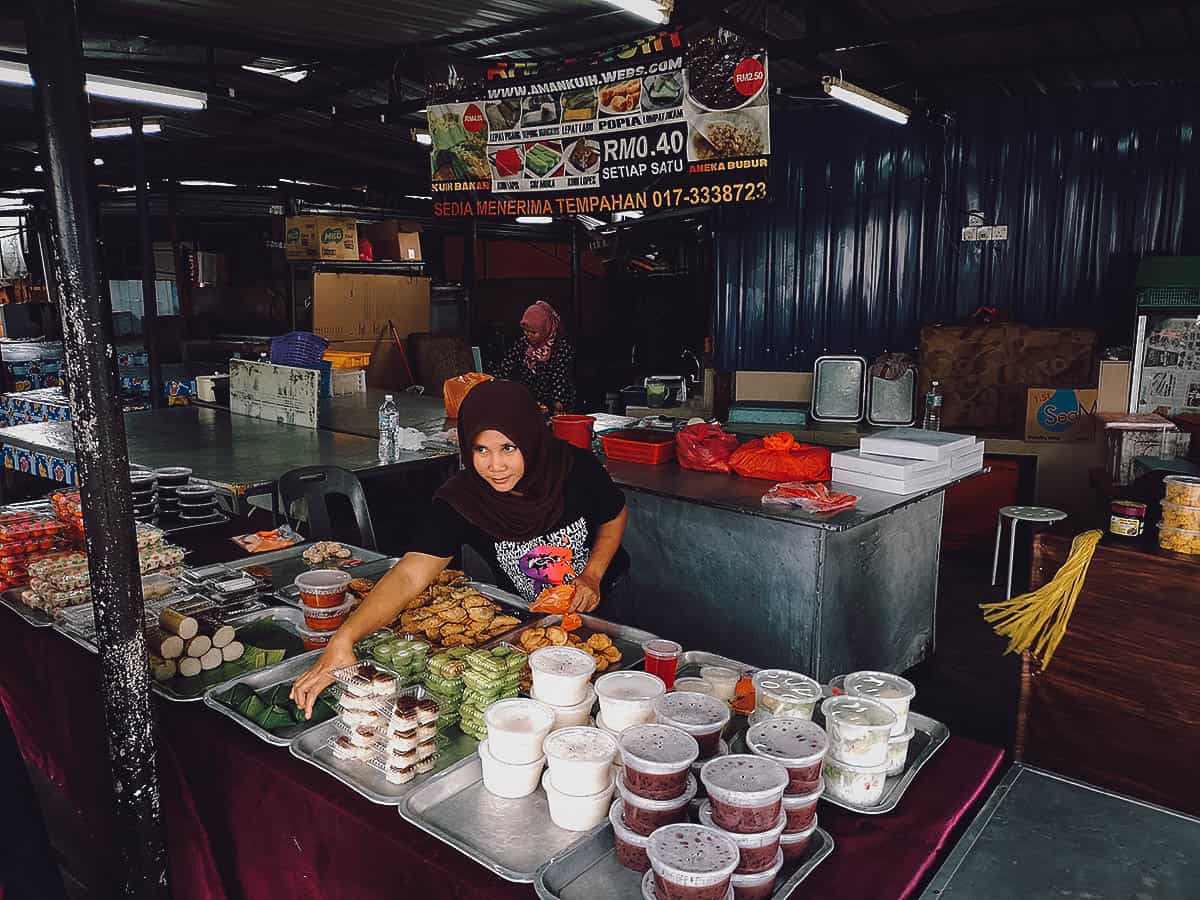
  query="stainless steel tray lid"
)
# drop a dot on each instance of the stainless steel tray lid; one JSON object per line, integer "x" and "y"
{"x": 838, "y": 385}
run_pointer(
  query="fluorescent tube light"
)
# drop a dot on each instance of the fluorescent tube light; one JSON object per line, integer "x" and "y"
{"x": 114, "y": 130}
{"x": 201, "y": 183}
{"x": 865, "y": 100}
{"x": 15, "y": 73}
{"x": 95, "y": 162}
{"x": 535, "y": 220}
{"x": 419, "y": 196}
{"x": 589, "y": 222}
{"x": 424, "y": 138}
{"x": 627, "y": 214}
{"x": 650, "y": 10}
{"x": 116, "y": 88}
{"x": 278, "y": 69}
{"x": 24, "y": 191}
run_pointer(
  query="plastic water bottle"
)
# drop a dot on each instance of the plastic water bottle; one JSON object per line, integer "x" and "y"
{"x": 389, "y": 421}
{"x": 933, "y": 408}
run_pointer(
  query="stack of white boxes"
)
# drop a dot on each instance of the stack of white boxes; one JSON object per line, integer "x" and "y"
{"x": 908, "y": 460}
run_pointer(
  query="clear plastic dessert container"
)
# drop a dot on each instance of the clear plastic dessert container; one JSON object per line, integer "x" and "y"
{"x": 758, "y": 850}
{"x": 856, "y": 785}
{"x": 656, "y": 760}
{"x": 702, "y": 716}
{"x": 798, "y": 745}
{"x": 693, "y": 684}
{"x": 561, "y": 674}
{"x": 572, "y": 813}
{"x": 892, "y": 691}
{"x": 897, "y": 755}
{"x": 792, "y": 846}
{"x": 1183, "y": 490}
{"x": 327, "y": 618}
{"x": 801, "y": 811}
{"x": 630, "y": 845}
{"x": 1185, "y": 518}
{"x": 650, "y": 889}
{"x": 580, "y": 760}
{"x": 745, "y": 791}
{"x": 568, "y": 716}
{"x": 782, "y": 692}
{"x": 516, "y": 729}
{"x": 691, "y": 862}
{"x": 1178, "y": 540}
{"x": 723, "y": 681}
{"x": 323, "y": 588}
{"x": 858, "y": 729}
{"x": 627, "y": 698}
{"x": 508, "y": 780}
{"x": 757, "y": 885}
{"x": 644, "y": 817}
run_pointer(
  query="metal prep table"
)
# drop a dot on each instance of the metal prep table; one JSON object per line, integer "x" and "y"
{"x": 713, "y": 567}
{"x": 1042, "y": 835}
{"x": 359, "y": 413}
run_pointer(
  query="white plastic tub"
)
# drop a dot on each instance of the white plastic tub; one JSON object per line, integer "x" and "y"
{"x": 577, "y": 813}
{"x": 782, "y": 692}
{"x": 758, "y": 850}
{"x": 561, "y": 674}
{"x": 723, "y": 681}
{"x": 568, "y": 716}
{"x": 892, "y": 691}
{"x": 897, "y": 756}
{"x": 691, "y": 861}
{"x": 857, "y": 785}
{"x": 627, "y": 698}
{"x": 700, "y": 715}
{"x": 858, "y": 729}
{"x": 507, "y": 780}
{"x": 759, "y": 885}
{"x": 516, "y": 729}
{"x": 580, "y": 760}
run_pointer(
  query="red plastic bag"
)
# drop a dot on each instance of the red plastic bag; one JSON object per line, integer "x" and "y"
{"x": 455, "y": 390}
{"x": 779, "y": 457}
{"x": 810, "y": 496}
{"x": 705, "y": 448}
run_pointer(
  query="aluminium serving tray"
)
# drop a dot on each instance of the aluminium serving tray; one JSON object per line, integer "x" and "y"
{"x": 590, "y": 871}
{"x": 286, "y": 564}
{"x": 627, "y": 639}
{"x": 35, "y": 617}
{"x": 261, "y": 680}
{"x": 375, "y": 570}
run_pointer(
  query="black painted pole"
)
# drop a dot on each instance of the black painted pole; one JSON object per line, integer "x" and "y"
{"x": 149, "y": 292}
{"x": 98, "y": 427}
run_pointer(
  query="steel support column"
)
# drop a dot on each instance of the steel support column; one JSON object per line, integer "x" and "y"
{"x": 98, "y": 427}
{"x": 149, "y": 288}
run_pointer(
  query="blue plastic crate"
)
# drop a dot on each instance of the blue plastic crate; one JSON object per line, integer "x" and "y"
{"x": 298, "y": 348}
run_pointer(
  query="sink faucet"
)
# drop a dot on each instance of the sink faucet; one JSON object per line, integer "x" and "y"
{"x": 698, "y": 380}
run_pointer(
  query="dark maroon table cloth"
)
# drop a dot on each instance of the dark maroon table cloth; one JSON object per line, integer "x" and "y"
{"x": 247, "y": 820}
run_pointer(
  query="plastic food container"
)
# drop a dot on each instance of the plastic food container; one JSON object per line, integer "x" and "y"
{"x": 657, "y": 759}
{"x": 326, "y": 619}
{"x": 796, "y": 744}
{"x": 694, "y": 685}
{"x": 1183, "y": 489}
{"x": 858, "y": 729}
{"x": 603, "y": 726}
{"x": 661, "y": 658}
{"x": 573, "y": 813}
{"x": 897, "y": 755}
{"x": 516, "y": 729}
{"x": 568, "y": 716}
{"x": 561, "y": 674}
{"x": 857, "y": 785}
{"x": 723, "y": 681}
{"x": 650, "y": 889}
{"x": 746, "y": 791}
{"x": 506, "y": 779}
{"x": 1186, "y": 518}
{"x": 781, "y": 692}
{"x": 700, "y": 715}
{"x": 792, "y": 846}
{"x": 631, "y": 846}
{"x": 758, "y": 851}
{"x": 323, "y": 588}
{"x": 892, "y": 691}
{"x": 172, "y": 476}
{"x": 580, "y": 760}
{"x": 691, "y": 862}
{"x": 759, "y": 885}
{"x": 801, "y": 811}
{"x": 644, "y": 816}
{"x": 1177, "y": 540}
{"x": 627, "y": 698}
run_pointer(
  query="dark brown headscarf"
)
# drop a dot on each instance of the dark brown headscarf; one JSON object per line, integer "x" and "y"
{"x": 535, "y": 505}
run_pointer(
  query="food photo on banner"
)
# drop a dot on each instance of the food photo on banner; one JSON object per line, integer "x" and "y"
{"x": 657, "y": 123}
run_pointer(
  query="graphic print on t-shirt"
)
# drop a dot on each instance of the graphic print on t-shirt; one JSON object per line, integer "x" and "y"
{"x": 552, "y": 559}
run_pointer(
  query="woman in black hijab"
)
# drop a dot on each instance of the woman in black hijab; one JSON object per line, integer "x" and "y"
{"x": 542, "y": 512}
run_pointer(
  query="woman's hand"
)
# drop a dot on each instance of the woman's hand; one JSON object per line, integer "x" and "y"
{"x": 311, "y": 683}
{"x": 587, "y": 593}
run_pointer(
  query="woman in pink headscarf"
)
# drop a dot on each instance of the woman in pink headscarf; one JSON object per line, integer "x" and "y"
{"x": 542, "y": 359}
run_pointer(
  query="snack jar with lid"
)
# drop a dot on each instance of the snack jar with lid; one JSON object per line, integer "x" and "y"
{"x": 561, "y": 674}
{"x": 858, "y": 729}
{"x": 757, "y": 850}
{"x": 792, "y": 846}
{"x": 650, "y": 889}
{"x": 796, "y": 744}
{"x": 568, "y": 716}
{"x": 516, "y": 729}
{"x": 700, "y": 715}
{"x": 580, "y": 759}
{"x": 645, "y": 816}
{"x": 1127, "y": 518}
{"x": 1178, "y": 540}
{"x": 506, "y": 779}
{"x": 1186, "y": 518}
{"x": 746, "y": 791}
{"x": 630, "y": 845}
{"x": 781, "y": 692}
{"x": 723, "y": 681}
{"x": 323, "y": 588}
{"x": 574, "y": 813}
{"x": 627, "y": 698}
{"x": 691, "y": 862}
{"x": 897, "y": 757}
{"x": 856, "y": 785}
{"x": 1183, "y": 489}
{"x": 759, "y": 885}
{"x": 801, "y": 810}
{"x": 892, "y": 691}
{"x": 326, "y": 619}
{"x": 656, "y": 760}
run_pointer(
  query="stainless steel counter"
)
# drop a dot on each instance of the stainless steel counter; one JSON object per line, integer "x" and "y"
{"x": 359, "y": 413}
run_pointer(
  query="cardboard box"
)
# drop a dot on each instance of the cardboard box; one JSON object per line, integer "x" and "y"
{"x": 1114, "y": 386}
{"x": 352, "y": 307}
{"x": 1060, "y": 414}
{"x": 394, "y": 240}
{"x": 300, "y": 237}
{"x": 320, "y": 237}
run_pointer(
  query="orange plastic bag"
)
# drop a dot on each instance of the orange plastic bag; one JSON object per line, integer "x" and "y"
{"x": 556, "y": 601}
{"x": 779, "y": 457}
{"x": 455, "y": 389}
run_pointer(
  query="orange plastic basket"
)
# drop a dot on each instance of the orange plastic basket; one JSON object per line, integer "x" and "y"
{"x": 344, "y": 359}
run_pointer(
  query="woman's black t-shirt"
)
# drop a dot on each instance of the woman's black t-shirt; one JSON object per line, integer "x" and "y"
{"x": 590, "y": 499}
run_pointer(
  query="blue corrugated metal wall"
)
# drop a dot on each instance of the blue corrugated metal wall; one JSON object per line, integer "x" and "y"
{"x": 861, "y": 242}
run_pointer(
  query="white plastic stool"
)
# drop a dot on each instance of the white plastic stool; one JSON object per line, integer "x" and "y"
{"x": 1038, "y": 514}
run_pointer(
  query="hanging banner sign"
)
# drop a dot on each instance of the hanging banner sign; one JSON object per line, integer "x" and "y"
{"x": 647, "y": 126}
